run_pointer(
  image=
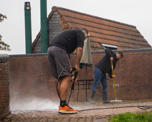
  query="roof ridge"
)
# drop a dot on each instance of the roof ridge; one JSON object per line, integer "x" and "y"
{"x": 55, "y": 7}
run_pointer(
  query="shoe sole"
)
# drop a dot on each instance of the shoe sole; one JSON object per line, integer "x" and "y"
{"x": 67, "y": 112}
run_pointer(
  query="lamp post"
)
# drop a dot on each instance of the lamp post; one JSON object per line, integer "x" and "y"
{"x": 44, "y": 35}
{"x": 28, "y": 35}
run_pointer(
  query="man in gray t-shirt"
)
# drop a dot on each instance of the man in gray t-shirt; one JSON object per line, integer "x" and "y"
{"x": 58, "y": 54}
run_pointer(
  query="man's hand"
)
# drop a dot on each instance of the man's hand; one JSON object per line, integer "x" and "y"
{"x": 79, "y": 51}
{"x": 111, "y": 58}
{"x": 75, "y": 76}
{"x": 113, "y": 76}
{"x": 74, "y": 72}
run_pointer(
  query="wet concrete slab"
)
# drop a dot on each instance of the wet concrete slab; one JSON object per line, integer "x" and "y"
{"x": 87, "y": 112}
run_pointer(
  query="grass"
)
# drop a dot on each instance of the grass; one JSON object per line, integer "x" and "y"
{"x": 132, "y": 117}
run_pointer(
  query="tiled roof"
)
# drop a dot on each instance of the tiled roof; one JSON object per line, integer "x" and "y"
{"x": 103, "y": 30}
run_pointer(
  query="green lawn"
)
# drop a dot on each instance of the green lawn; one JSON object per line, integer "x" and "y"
{"x": 132, "y": 117}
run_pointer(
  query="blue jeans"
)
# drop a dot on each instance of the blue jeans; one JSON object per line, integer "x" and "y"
{"x": 99, "y": 77}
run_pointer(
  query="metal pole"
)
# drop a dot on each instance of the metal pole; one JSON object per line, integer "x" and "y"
{"x": 28, "y": 35}
{"x": 44, "y": 36}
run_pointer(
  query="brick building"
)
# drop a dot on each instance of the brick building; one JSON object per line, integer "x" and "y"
{"x": 108, "y": 32}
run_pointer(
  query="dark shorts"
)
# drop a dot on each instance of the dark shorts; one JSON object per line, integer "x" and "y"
{"x": 59, "y": 62}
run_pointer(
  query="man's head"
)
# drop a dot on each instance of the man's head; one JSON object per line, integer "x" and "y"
{"x": 85, "y": 31}
{"x": 119, "y": 55}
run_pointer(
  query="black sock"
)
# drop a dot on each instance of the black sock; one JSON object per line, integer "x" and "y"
{"x": 63, "y": 103}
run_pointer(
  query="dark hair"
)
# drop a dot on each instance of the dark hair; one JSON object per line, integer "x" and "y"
{"x": 121, "y": 54}
{"x": 83, "y": 29}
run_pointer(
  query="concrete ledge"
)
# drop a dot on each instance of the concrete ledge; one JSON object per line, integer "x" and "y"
{"x": 28, "y": 55}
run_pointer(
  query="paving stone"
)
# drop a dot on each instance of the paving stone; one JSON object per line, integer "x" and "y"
{"x": 73, "y": 120}
{"x": 89, "y": 119}
{"x": 50, "y": 120}
{"x": 100, "y": 120}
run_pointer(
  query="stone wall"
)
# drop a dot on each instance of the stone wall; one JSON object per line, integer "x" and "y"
{"x": 133, "y": 74}
{"x": 54, "y": 28}
{"x": 30, "y": 79}
{"x": 4, "y": 86}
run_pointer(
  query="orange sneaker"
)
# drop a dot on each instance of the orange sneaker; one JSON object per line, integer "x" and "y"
{"x": 67, "y": 109}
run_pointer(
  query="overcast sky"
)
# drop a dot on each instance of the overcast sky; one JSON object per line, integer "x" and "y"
{"x": 133, "y": 12}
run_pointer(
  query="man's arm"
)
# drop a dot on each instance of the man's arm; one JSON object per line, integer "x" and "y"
{"x": 110, "y": 54}
{"x": 112, "y": 75}
{"x": 79, "y": 52}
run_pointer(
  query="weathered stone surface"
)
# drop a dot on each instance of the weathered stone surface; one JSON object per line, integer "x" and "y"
{"x": 91, "y": 113}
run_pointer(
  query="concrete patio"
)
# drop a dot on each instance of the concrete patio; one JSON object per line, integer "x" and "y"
{"x": 87, "y": 112}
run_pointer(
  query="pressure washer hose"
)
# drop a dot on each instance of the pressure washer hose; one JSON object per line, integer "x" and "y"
{"x": 75, "y": 74}
{"x": 143, "y": 107}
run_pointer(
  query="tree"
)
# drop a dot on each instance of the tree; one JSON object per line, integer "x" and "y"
{"x": 2, "y": 17}
{"x": 3, "y": 45}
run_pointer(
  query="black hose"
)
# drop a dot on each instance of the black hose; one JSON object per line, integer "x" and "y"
{"x": 57, "y": 90}
{"x": 75, "y": 76}
{"x": 72, "y": 87}
{"x": 140, "y": 107}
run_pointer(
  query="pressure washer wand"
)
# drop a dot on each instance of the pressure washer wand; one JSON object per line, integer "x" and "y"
{"x": 75, "y": 76}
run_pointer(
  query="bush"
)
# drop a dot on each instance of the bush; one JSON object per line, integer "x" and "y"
{"x": 132, "y": 117}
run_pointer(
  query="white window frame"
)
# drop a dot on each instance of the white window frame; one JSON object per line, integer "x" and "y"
{"x": 113, "y": 47}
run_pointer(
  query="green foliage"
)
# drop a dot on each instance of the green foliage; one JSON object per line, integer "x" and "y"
{"x": 3, "y": 45}
{"x": 132, "y": 117}
{"x": 2, "y": 17}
